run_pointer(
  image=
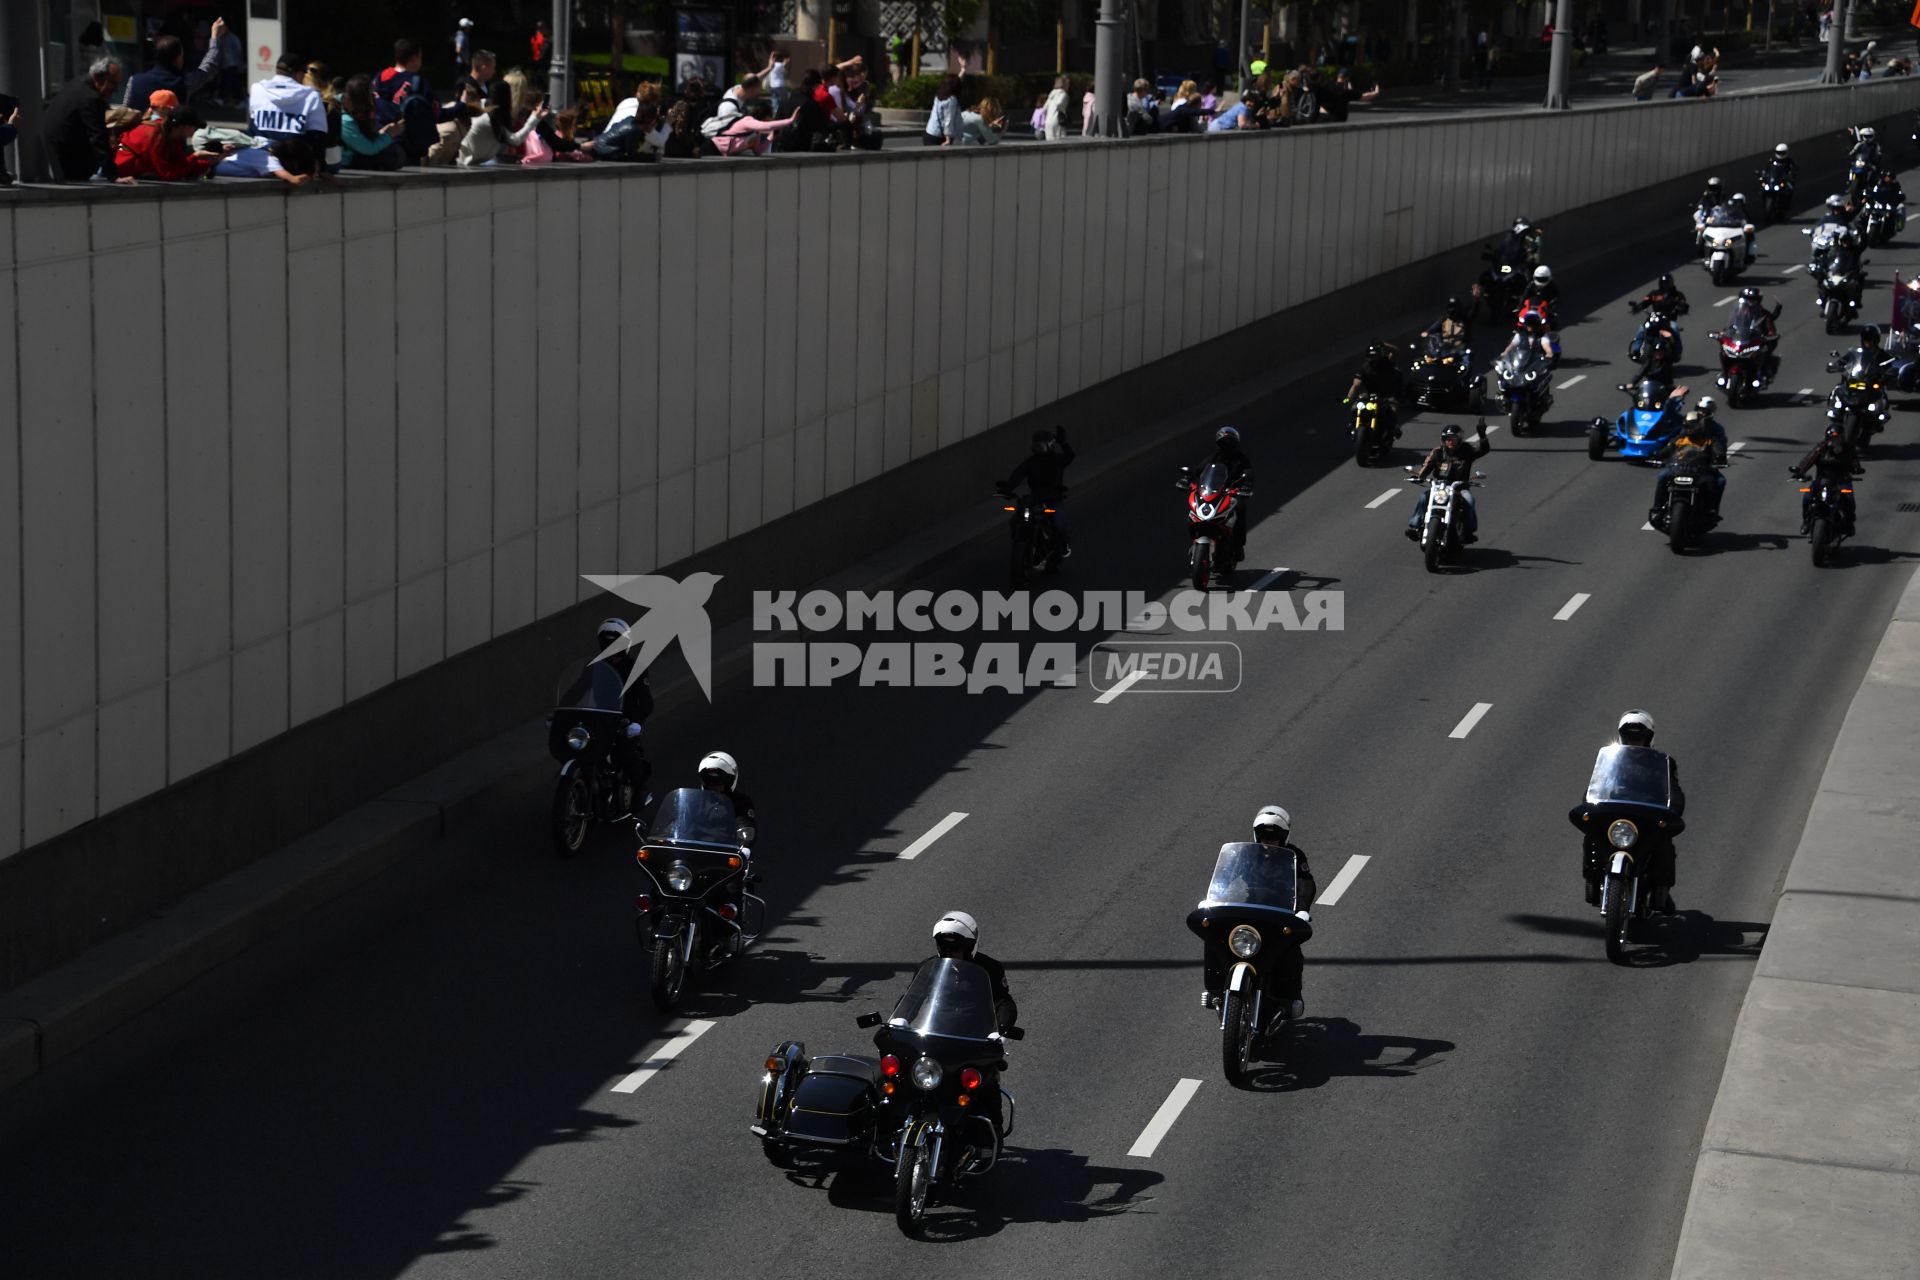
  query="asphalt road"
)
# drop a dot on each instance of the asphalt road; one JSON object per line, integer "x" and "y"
{"x": 419, "y": 1080}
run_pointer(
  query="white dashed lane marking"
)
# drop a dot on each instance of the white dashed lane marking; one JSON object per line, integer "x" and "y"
{"x": 1471, "y": 719}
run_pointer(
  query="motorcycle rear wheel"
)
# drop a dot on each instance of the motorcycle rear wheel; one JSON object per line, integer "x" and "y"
{"x": 1236, "y": 1038}
{"x": 1618, "y": 919}
{"x": 912, "y": 1188}
{"x": 572, "y": 814}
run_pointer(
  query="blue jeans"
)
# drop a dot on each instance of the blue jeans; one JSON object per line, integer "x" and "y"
{"x": 1466, "y": 496}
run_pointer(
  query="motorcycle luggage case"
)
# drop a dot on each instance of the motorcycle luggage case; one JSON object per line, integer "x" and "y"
{"x": 834, "y": 1103}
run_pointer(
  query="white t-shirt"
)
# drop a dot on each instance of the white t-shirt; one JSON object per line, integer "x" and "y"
{"x": 626, "y": 108}
{"x": 252, "y": 162}
{"x": 777, "y": 76}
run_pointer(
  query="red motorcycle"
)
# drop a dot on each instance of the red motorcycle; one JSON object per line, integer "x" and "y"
{"x": 1213, "y": 502}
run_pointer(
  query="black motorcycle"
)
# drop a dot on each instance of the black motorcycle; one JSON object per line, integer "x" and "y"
{"x": 928, "y": 1104}
{"x": 1858, "y": 402}
{"x": 701, "y": 912}
{"x": 1827, "y": 521}
{"x": 1841, "y": 281}
{"x": 1524, "y": 374}
{"x": 1690, "y": 508}
{"x": 1499, "y": 287}
{"x": 1252, "y": 911}
{"x": 1776, "y": 192}
{"x": 602, "y": 768}
{"x": 1035, "y": 545}
{"x": 1627, "y": 823}
{"x": 1656, "y": 347}
{"x": 1442, "y": 376}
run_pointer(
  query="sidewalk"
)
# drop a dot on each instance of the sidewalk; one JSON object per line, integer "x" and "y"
{"x": 1810, "y": 1165}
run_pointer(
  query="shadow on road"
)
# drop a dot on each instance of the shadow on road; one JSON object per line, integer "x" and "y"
{"x": 1666, "y": 940}
{"x": 1318, "y": 1050}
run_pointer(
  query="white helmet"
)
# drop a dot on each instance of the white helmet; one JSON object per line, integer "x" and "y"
{"x": 1738, "y": 198}
{"x": 1639, "y": 720}
{"x": 612, "y": 631}
{"x": 1705, "y": 406}
{"x": 957, "y": 924}
{"x": 1781, "y": 150}
{"x": 1866, "y": 133}
{"x": 1836, "y": 202}
{"x": 720, "y": 762}
{"x": 1273, "y": 816}
{"x": 1543, "y": 275}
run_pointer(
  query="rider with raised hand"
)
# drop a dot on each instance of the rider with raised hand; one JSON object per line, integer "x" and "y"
{"x": 1452, "y": 460}
{"x": 1271, "y": 828}
{"x": 1833, "y": 459}
{"x": 1045, "y": 471}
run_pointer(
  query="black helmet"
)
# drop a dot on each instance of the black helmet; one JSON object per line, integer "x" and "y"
{"x": 1870, "y": 336}
{"x": 1449, "y": 432}
{"x": 1834, "y": 434}
{"x": 1454, "y": 309}
{"x": 1227, "y": 438}
{"x": 1375, "y": 351}
{"x": 1666, "y": 280}
{"x": 1750, "y": 294}
{"x": 1535, "y": 322}
{"x": 1043, "y": 442}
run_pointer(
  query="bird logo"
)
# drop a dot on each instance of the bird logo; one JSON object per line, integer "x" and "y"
{"x": 672, "y": 611}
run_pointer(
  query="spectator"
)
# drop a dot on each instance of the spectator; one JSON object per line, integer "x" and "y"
{"x": 1143, "y": 109}
{"x": 1038, "y": 122}
{"x": 496, "y": 98}
{"x": 630, "y": 139}
{"x": 1086, "y": 114}
{"x": 9, "y": 131}
{"x": 168, "y": 70}
{"x": 943, "y": 121}
{"x": 1243, "y": 114}
{"x": 982, "y": 126}
{"x": 463, "y": 47}
{"x": 1335, "y": 97}
{"x": 832, "y": 102}
{"x": 366, "y": 142}
{"x": 1643, "y": 83}
{"x": 328, "y": 86}
{"x": 157, "y": 148}
{"x": 1482, "y": 48}
{"x": 900, "y": 50}
{"x": 537, "y": 46}
{"x": 294, "y": 163}
{"x": 1210, "y": 100}
{"x": 1056, "y": 111}
{"x": 1183, "y": 115}
{"x": 73, "y": 129}
{"x": 402, "y": 93}
{"x": 866, "y": 120}
{"x": 684, "y": 141}
{"x": 232, "y": 89}
{"x": 746, "y": 135}
{"x": 282, "y": 108}
{"x": 775, "y": 78}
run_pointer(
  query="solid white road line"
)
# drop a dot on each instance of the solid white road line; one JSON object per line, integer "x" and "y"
{"x": 1803, "y": 395}
{"x": 1163, "y": 1119}
{"x": 1572, "y": 606}
{"x": 1724, "y": 301}
{"x": 1736, "y": 446}
{"x": 1260, "y": 583}
{"x": 1471, "y": 719}
{"x": 1348, "y": 874}
{"x": 925, "y": 842}
{"x": 668, "y": 1052}
{"x": 1383, "y": 499}
{"x": 1578, "y": 377}
{"x": 1121, "y": 685}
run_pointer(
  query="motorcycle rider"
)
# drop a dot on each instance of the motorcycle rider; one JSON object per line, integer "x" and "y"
{"x": 1452, "y": 460}
{"x": 1831, "y": 459}
{"x": 1378, "y": 375}
{"x": 1271, "y": 827}
{"x": 1864, "y": 146}
{"x": 956, "y": 936}
{"x": 1709, "y": 200}
{"x": 1045, "y": 471}
{"x": 1452, "y": 324}
{"x": 1527, "y": 238}
{"x": 1636, "y": 730}
{"x": 1783, "y": 166}
{"x": 1887, "y": 190}
{"x": 1531, "y": 332}
{"x": 720, "y": 772}
{"x": 1701, "y": 447}
{"x": 1737, "y": 204}
{"x": 615, "y": 641}
{"x": 1665, "y": 300}
{"x": 1545, "y": 295}
{"x": 1239, "y": 467}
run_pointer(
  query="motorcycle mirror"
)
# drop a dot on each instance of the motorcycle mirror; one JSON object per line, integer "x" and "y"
{"x": 1479, "y": 475}
{"x": 1806, "y": 231}
{"x": 1014, "y": 1033}
{"x": 746, "y": 835}
{"x": 868, "y": 1020}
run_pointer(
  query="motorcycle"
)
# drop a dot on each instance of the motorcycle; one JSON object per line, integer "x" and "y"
{"x": 1373, "y": 433}
{"x": 1252, "y": 910}
{"x": 1443, "y": 530}
{"x": 1646, "y": 427}
{"x": 1822, "y": 240}
{"x": 701, "y": 912}
{"x": 1035, "y": 545}
{"x": 1840, "y": 284}
{"x": 1524, "y": 374}
{"x": 1629, "y": 805}
{"x": 1689, "y": 511}
{"x": 1747, "y": 363}
{"x": 1776, "y": 192}
{"x": 920, "y": 1105}
{"x": 1212, "y": 503}
{"x": 602, "y": 766}
{"x": 1858, "y": 402}
{"x": 1656, "y": 348}
{"x": 1499, "y": 287}
{"x": 1826, "y": 524}
{"x": 1723, "y": 243}
{"x": 1442, "y": 376}
{"x": 1880, "y": 221}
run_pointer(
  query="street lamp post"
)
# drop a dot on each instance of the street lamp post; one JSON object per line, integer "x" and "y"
{"x": 1109, "y": 96}
{"x": 1836, "y": 38}
{"x": 559, "y": 92}
{"x": 1557, "y": 60}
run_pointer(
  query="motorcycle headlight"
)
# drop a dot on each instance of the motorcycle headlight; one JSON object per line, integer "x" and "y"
{"x": 1205, "y": 511}
{"x": 577, "y": 739}
{"x": 679, "y": 877}
{"x": 1244, "y": 941}
{"x": 1621, "y": 834}
{"x": 926, "y": 1074}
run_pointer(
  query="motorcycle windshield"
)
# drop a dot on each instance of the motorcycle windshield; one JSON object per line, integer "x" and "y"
{"x": 588, "y": 686}
{"x": 1844, "y": 262}
{"x": 691, "y": 816}
{"x": 1725, "y": 217}
{"x": 1631, "y": 775}
{"x": 1651, "y": 394}
{"x": 1213, "y": 481}
{"x": 1861, "y": 369}
{"x": 1748, "y": 323}
{"x": 1435, "y": 347}
{"x": 1255, "y": 876}
{"x": 950, "y": 998}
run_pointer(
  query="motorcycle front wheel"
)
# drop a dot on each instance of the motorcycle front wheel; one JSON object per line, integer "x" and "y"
{"x": 669, "y": 973}
{"x": 572, "y": 814}
{"x": 1820, "y": 534}
{"x": 1018, "y": 564}
{"x": 1596, "y": 443}
{"x": 1236, "y": 1037}
{"x": 912, "y": 1185}
{"x": 1618, "y": 918}
{"x": 1679, "y": 527}
{"x": 1431, "y": 552}
{"x": 1202, "y": 567}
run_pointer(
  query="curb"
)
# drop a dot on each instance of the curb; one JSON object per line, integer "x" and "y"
{"x": 1810, "y": 1163}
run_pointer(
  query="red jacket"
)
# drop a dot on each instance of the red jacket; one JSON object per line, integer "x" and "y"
{"x": 145, "y": 152}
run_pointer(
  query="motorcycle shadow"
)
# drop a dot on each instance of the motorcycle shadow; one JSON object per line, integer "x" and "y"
{"x": 771, "y": 975}
{"x": 1479, "y": 558}
{"x": 1666, "y": 940}
{"x": 1316, "y": 1051}
{"x": 1028, "y": 1185}
{"x": 1855, "y": 555}
{"x": 1720, "y": 539}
